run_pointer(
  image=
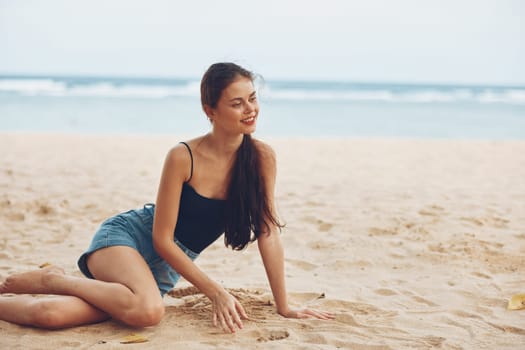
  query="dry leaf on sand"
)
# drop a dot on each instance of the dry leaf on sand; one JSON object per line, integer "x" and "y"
{"x": 133, "y": 339}
{"x": 516, "y": 302}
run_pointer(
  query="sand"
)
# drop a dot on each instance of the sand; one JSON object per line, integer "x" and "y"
{"x": 411, "y": 243}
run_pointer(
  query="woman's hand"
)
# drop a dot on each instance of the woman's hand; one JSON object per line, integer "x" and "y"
{"x": 307, "y": 313}
{"x": 227, "y": 311}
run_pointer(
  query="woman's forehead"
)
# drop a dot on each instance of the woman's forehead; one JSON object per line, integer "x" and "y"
{"x": 238, "y": 88}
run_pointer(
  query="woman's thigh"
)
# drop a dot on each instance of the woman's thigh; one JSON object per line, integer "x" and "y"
{"x": 124, "y": 265}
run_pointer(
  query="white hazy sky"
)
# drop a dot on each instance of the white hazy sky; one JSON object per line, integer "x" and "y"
{"x": 456, "y": 41}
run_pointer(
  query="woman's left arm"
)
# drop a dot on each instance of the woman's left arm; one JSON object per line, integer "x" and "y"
{"x": 272, "y": 252}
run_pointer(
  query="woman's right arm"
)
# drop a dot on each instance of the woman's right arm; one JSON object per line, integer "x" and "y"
{"x": 175, "y": 172}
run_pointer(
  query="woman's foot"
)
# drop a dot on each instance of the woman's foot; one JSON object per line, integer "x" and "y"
{"x": 32, "y": 282}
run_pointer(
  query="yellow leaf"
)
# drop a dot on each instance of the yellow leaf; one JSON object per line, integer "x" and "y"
{"x": 133, "y": 339}
{"x": 516, "y": 302}
{"x": 46, "y": 264}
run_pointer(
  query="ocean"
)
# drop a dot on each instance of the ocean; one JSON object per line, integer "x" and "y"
{"x": 116, "y": 105}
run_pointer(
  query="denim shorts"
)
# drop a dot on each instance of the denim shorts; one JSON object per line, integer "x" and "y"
{"x": 134, "y": 229}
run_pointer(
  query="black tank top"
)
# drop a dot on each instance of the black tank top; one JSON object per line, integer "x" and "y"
{"x": 201, "y": 220}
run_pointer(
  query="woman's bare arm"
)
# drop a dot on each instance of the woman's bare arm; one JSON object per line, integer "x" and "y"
{"x": 227, "y": 310}
{"x": 176, "y": 170}
{"x": 271, "y": 248}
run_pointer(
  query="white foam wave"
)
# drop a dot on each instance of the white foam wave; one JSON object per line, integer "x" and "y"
{"x": 32, "y": 86}
{"x": 49, "y": 87}
{"x": 508, "y": 96}
{"x": 132, "y": 91}
{"x": 385, "y": 93}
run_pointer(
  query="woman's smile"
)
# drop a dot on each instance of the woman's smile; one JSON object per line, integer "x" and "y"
{"x": 249, "y": 120}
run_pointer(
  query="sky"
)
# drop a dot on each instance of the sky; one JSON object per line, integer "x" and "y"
{"x": 433, "y": 41}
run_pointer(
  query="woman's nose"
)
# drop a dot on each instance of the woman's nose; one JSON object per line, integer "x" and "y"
{"x": 250, "y": 107}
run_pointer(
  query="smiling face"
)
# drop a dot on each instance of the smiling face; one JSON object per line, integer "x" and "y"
{"x": 237, "y": 109}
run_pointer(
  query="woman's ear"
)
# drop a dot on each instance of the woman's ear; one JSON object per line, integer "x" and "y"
{"x": 210, "y": 112}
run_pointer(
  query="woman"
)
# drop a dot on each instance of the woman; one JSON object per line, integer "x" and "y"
{"x": 220, "y": 182}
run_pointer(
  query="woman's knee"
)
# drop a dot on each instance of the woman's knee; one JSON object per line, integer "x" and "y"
{"x": 145, "y": 314}
{"x": 45, "y": 314}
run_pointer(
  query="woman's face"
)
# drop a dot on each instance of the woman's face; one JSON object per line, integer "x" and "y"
{"x": 237, "y": 109}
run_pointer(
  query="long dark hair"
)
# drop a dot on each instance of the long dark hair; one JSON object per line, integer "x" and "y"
{"x": 248, "y": 212}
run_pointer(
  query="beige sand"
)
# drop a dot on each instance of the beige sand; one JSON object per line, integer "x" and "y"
{"x": 413, "y": 244}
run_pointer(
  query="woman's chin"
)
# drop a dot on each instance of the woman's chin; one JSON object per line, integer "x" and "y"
{"x": 249, "y": 130}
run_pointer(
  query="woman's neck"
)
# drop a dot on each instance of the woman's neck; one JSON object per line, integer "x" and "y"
{"x": 223, "y": 145}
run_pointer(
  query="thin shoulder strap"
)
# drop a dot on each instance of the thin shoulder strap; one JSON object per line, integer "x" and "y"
{"x": 191, "y": 156}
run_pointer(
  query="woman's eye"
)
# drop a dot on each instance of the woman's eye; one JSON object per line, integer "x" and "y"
{"x": 236, "y": 105}
{"x": 253, "y": 99}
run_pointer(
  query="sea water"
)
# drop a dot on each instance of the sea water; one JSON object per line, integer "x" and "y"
{"x": 288, "y": 108}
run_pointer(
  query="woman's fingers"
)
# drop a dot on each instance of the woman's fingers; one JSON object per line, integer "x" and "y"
{"x": 229, "y": 321}
{"x": 228, "y": 311}
{"x": 236, "y": 318}
{"x": 215, "y": 318}
{"x": 225, "y": 322}
{"x": 318, "y": 314}
{"x": 302, "y": 314}
{"x": 240, "y": 309}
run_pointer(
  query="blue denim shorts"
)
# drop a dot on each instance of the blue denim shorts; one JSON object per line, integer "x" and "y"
{"x": 134, "y": 229}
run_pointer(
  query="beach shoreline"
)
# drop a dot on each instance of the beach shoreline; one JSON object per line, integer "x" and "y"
{"x": 413, "y": 243}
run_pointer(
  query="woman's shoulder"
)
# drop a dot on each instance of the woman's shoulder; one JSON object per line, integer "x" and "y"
{"x": 180, "y": 158}
{"x": 265, "y": 150}
{"x": 184, "y": 149}
{"x": 267, "y": 156}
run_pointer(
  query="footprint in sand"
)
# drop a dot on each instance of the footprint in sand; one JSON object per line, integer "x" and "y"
{"x": 492, "y": 221}
{"x": 301, "y": 264}
{"x": 5, "y": 203}
{"x": 508, "y": 329}
{"x": 325, "y": 226}
{"x": 376, "y": 231}
{"x": 43, "y": 208}
{"x": 313, "y": 204}
{"x": 474, "y": 221}
{"x": 437, "y": 248}
{"x": 321, "y": 225}
{"x": 499, "y": 222}
{"x": 433, "y": 342}
{"x": 482, "y": 275}
{"x": 4, "y": 255}
{"x": 419, "y": 299}
{"x": 385, "y": 292}
{"x": 423, "y": 300}
{"x": 433, "y": 210}
{"x": 16, "y": 216}
{"x": 464, "y": 314}
{"x": 265, "y": 335}
{"x": 485, "y": 301}
{"x": 348, "y": 320}
{"x": 323, "y": 244}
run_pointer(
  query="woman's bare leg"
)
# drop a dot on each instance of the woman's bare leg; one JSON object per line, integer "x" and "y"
{"x": 125, "y": 288}
{"x": 31, "y": 282}
{"x": 51, "y": 312}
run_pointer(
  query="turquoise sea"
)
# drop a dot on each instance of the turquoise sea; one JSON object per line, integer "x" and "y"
{"x": 288, "y": 108}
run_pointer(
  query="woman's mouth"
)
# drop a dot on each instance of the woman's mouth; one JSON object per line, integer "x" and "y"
{"x": 248, "y": 121}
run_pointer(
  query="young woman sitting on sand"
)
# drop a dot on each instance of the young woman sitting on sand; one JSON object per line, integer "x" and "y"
{"x": 220, "y": 182}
